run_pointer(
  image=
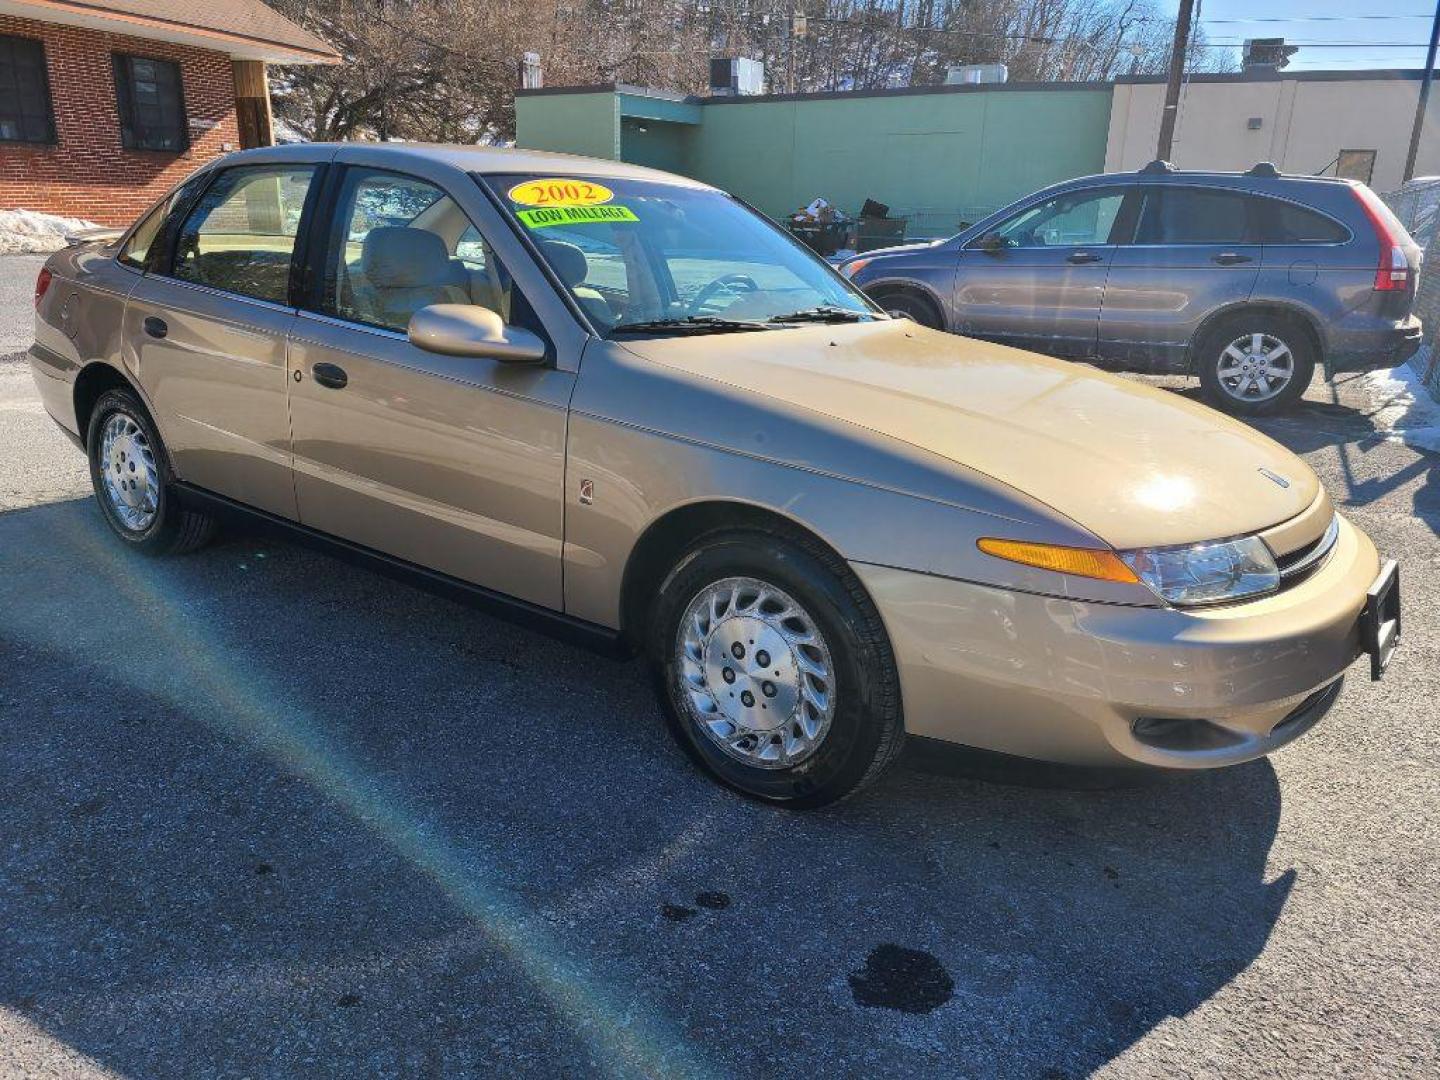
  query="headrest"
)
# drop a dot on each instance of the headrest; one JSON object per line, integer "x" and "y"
{"x": 568, "y": 261}
{"x": 397, "y": 257}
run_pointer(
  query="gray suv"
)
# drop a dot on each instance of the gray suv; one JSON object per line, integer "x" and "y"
{"x": 1247, "y": 280}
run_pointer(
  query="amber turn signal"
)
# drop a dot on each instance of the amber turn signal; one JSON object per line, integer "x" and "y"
{"x": 1082, "y": 562}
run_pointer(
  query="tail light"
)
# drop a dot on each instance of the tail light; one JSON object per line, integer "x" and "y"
{"x": 1392, "y": 272}
{"x": 42, "y": 285}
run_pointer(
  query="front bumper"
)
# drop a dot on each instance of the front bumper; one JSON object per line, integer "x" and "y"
{"x": 1094, "y": 684}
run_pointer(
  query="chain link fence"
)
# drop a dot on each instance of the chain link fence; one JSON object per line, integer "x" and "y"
{"x": 1417, "y": 205}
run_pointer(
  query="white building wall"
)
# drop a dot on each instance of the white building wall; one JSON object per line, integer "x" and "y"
{"x": 1304, "y": 123}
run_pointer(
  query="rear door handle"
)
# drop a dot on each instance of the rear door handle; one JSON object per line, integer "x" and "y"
{"x": 1230, "y": 258}
{"x": 331, "y": 375}
{"x": 1084, "y": 257}
{"x": 155, "y": 327}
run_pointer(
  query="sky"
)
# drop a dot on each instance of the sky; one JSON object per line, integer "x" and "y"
{"x": 1360, "y": 35}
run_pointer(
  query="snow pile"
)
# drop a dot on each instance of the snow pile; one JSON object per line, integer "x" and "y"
{"x": 1403, "y": 409}
{"x": 24, "y": 231}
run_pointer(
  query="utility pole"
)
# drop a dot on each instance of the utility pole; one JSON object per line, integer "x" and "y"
{"x": 1178, "y": 52}
{"x": 1424, "y": 96}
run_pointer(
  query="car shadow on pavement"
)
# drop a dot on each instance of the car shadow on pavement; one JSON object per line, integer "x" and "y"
{"x": 268, "y": 814}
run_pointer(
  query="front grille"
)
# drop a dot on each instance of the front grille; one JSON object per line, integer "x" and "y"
{"x": 1296, "y": 566}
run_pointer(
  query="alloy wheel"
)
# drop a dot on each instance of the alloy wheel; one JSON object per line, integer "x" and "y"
{"x": 1255, "y": 367}
{"x": 127, "y": 466}
{"x": 755, "y": 673}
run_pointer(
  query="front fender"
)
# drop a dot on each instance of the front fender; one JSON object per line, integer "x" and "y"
{"x": 639, "y": 447}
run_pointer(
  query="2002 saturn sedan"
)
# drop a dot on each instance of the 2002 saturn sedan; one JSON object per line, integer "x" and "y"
{"x": 619, "y": 402}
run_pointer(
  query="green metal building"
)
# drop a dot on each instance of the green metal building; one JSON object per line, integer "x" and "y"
{"x": 936, "y": 155}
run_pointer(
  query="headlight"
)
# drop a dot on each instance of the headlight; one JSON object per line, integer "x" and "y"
{"x": 1206, "y": 573}
{"x": 853, "y": 267}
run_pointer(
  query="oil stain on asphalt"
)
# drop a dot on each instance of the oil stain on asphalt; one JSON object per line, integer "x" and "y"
{"x": 907, "y": 980}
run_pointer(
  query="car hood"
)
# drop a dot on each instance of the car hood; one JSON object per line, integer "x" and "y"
{"x": 1136, "y": 466}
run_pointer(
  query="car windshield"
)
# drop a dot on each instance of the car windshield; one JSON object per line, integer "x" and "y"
{"x": 653, "y": 258}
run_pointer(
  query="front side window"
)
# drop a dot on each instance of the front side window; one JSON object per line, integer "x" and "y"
{"x": 635, "y": 253}
{"x": 1181, "y": 215}
{"x": 240, "y": 236}
{"x": 26, "y": 112}
{"x": 400, "y": 244}
{"x": 1072, "y": 219}
{"x": 152, "y": 104}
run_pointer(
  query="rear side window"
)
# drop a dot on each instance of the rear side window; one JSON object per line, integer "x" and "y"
{"x": 141, "y": 246}
{"x": 1181, "y": 215}
{"x": 1286, "y": 223}
{"x": 241, "y": 235}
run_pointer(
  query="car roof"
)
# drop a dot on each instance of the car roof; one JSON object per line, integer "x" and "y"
{"x": 481, "y": 159}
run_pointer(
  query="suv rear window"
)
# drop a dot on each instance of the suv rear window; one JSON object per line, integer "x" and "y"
{"x": 1286, "y": 223}
{"x": 1181, "y": 215}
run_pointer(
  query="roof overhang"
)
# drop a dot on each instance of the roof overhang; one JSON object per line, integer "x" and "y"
{"x": 96, "y": 16}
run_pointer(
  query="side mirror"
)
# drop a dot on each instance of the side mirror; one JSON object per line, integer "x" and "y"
{"x": 993, "y": 243}
{"x": 471, "y": 330}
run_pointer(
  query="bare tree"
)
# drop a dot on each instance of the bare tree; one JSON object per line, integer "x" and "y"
{"x": 446, "y": 69}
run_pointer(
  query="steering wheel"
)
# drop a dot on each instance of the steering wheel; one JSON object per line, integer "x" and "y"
{"x": 733, "y": 282}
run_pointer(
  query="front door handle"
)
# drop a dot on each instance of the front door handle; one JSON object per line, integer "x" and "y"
{"x": 155, "y": 326}
{"x": 1084, "y": 257}
{"x": 1231, "y": 258}
{"x": 331, "y": 375}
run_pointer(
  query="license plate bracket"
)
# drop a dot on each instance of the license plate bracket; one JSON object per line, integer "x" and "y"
{"x": 1380, "y": 619}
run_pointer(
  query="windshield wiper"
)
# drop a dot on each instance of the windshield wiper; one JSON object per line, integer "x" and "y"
{"x": 690, "y": 324}
{"x": 822, "y": 314}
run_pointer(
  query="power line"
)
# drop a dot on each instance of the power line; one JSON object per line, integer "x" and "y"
{"x": 1320, "y": 19}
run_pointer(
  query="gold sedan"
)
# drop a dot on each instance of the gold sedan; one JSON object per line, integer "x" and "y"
{"x": 619, "y": 404}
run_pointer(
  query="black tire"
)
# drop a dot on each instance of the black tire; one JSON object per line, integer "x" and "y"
{"x": 911, "y": 306}
{"x": 1211, "y": 354}
{"x": 866, "y": 732}
{"x": 173, "y": 529}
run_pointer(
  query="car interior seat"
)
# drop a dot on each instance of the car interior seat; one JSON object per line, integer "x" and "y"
{"x": 570, "y": 264}
{"x": 403, "y": 270}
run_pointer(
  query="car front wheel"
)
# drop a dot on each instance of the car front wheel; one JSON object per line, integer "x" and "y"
{"x": 131, "y": 477}
{"x": 1255, "y": 365}
{"x": 774, "y": 670}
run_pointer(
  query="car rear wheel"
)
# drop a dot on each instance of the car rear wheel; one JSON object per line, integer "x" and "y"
{"x": 905, "y": 305}
{"x": 132, "y": 480}
{"x": 774, "y": 670}
{"x": 1255, "y": 365}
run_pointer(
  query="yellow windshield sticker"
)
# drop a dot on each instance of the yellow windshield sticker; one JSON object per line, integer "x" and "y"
{"x": 559, "y": 191}
{"x": 574, "y": 215}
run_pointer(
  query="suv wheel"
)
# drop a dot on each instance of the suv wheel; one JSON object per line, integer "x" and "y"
{"x": 773, "y": 669}
{"x": 904, "y": 305}
{"x": 131, "y": 477}
{"x": 1254, "y": 365}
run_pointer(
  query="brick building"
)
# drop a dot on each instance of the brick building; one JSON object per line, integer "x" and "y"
{"x": 105, "y": 106}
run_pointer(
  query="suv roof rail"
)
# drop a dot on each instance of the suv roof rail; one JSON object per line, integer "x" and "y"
{"x": 1158, "y": 166}
{"x": 1264, "y": 169}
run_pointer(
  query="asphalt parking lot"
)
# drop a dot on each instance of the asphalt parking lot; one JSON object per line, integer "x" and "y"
{"x": 267, "y": 815}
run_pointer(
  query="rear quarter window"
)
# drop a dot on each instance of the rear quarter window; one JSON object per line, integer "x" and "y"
{"x": 1286, "y": 223}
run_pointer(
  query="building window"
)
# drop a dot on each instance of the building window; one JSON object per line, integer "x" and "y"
{"x": 1356, "y": 165}
{"x": 26, "y": 114}
{"x": 152, "y": 106}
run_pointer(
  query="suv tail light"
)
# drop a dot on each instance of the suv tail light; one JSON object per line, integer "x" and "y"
{"x": 1392, "y": 272}
{"x": 42, "y": 285}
